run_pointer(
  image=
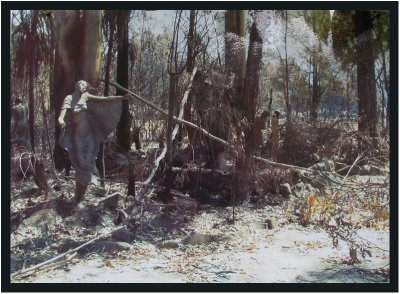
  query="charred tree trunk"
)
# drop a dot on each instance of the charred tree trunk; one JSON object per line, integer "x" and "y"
{"x": 100, "y": 158}
{"x": 191, "y": 35}
{"x": 32, "y": 41}
{"x": 235, "y": 57}
{"x": 170, "y": 122}
{"x": 124, "y": 125}
{"x": 250, "y": 95}
{"x": 366, "y": 87}
{"x": 189, "y": 68}
{"x": 251, "y": 83}
{"x": 287, "y": 98}
{"x": 51, "y": 27}
{"x": 387, "y": 87}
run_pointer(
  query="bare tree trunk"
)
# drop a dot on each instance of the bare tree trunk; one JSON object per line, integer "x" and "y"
{"x": 366, "y": 87}
{"x": 191, "y": 35}
{"x": 190, "y": 62}
{"x": 235, "y": 56}
{"x": 170, "y": 122}
{"x": 387, "y": 87}
{"x": 250, "y": 97}
{"x": 287, "y": 98}
{"x": 124, "y": 125}
{"x": 32, "y": 41}
{"x": 51, "y": 27}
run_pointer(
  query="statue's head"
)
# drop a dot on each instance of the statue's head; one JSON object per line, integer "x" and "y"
{"x": 82, "y": 86}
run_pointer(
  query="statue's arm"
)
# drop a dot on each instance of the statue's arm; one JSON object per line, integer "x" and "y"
{"x": 108, "y": 98}
{"x": 61, "y": 118}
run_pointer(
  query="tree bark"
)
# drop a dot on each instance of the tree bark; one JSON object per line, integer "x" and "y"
{"x": 32, "y": 41}
{"x": 366, "y": 87}
{"x": 287, "y": 98}
{"x": 250, "y": 97}
{"x": 191, "y": 35}
{"x": 235, "y": 56}
{"x": 387, "y": 87}
{"x": 251, "y": 83}
{"x": 124, "y": 125}
{"x": 51, "y": 27}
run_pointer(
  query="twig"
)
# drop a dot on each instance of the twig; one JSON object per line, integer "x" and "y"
{"x": 35, "y": 267}
{"x": 354, "y": 163}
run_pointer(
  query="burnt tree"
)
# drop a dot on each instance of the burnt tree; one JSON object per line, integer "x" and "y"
{"x": 124, "y": 125}
{"x": 366, "y": 87}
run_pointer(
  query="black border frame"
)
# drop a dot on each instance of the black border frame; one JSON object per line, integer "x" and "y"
{"x": 6, "y": 286}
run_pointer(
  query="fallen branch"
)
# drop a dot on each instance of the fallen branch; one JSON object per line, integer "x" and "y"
{"x": 52, "y": 265}
{"x": 40, "y": 265}
{"x": 288, "y": 165}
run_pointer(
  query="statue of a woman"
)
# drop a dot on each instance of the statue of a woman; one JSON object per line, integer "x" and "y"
{"x": 90, "y": 119}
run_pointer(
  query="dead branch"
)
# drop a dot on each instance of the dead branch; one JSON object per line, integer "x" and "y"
{"x": 354, "y": 163}
{"x": 40, "y": 265}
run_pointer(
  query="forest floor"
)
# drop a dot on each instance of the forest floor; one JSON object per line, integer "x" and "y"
{"x": 181, "y": 244}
